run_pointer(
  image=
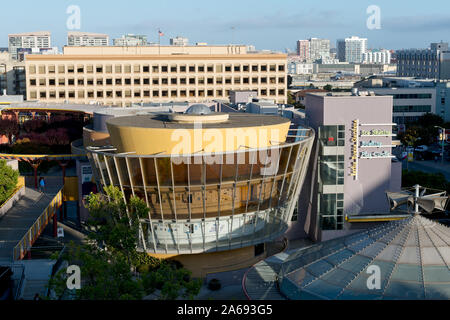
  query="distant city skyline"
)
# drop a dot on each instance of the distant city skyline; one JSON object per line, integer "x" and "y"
{"x": 263, "y": 23}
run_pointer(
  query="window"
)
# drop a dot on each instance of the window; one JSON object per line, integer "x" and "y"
{"x": 99, "y": 69}
{"x": 118, "y": 68}
{"x": 32, "y": 70}
{"x": 331, "y": 208}
{"x": 81, "y": 94}
{"x": 201, "y": 68}
{"x": 90, "y": 69}
{"x": 173, "y": 69}
{"x": 145, "y": 69}
{"x": 32, "y": 82}
{"x": 137, "y": 68}
{"x": 332, "y": 136}
{"x": 127, "y": 68}
{"x": 51, "y": 69}
{"x": 80, "y": 69}
{"x": 108, "y": 69}
{"x": 42, "y": 70}
{"x": 61, "y": 69}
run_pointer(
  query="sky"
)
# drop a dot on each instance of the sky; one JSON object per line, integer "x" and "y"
{"x": 266, "y": 24}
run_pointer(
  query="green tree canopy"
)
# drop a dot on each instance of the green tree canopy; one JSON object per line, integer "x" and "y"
{"x": 111, "y": 267}
{"x": 8, "y": 181}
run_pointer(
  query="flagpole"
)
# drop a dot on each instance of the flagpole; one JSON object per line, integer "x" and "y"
{"x": 159, "y": 41}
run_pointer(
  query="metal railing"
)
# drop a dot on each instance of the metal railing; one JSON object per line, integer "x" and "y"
{"x": 36, "y": 229}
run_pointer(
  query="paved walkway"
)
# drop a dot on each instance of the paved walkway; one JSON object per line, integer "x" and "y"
{"x": 17, "y": 221}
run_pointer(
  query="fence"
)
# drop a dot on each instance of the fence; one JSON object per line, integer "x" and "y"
{"x": 36, "y": 229}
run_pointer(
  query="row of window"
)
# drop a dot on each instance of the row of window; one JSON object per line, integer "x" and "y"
{"x": 331, "y": 208}
{"x": 157, "y": 81}
{"x": 412, "y": 108}
{"x": 81, "y": 94}
{"x": 412, "y": 96}
{"x": 137, "y": 68}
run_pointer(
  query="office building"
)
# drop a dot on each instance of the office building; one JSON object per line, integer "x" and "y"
{"x": 351, "y": 49}
{"x": 412, "y": 98}
{"x": 354, "y": 140}
{"x": 126, "y": 75}
{"x": 213, "y": 203}
{"x": 39, "y": 40}
{"x": 12, "y": 76}
{"x": 131, "y": 40}
{"x": 377, "y": 57}
{"x": 87, "y": 39}
{"x": 432, "y": 63}
{"x": 179, "y": 41}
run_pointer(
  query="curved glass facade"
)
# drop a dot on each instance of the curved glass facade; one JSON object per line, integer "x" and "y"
{"x": 210, "y": 202}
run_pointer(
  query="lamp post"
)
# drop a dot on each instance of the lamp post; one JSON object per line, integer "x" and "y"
{"x": 443, "y": 140}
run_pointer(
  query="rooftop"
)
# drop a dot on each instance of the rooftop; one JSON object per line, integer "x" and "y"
{"x": 235, "y": 120}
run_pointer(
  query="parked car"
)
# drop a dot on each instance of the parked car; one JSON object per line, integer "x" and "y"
{"x": 421, "y": 149}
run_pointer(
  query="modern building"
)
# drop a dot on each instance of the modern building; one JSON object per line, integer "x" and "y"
{"x": 303, "y": 50}
{"x": 351, "y": 49}
{"x": 179, "y": 41}
{"x": 354, "y": 140}
{"x": 39, "y": 40}
{"x": 313, "y": 49}
{"x": 131, "y": 40}
{"x": 377, "y": 56}
{"x": 87, "y": 39}
{"x": 319, "y": 49}
{"x": 443, "y": 99}
{"x": 218, "y": 185}
{"x": 432, "y": 63}
{"x": 412, "y": 97}
{"x": 12, "y": 76}
{"x": 126, "y": 75}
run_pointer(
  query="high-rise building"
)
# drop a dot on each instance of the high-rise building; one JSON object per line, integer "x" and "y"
{"x": 303, "y": 49}
{"x": 131, "y": 40}
{"x": 87, "y": 39}
{"x": 126, "y": 75}
{"x": 313, "y": 49}
{"x": 319, "y": 49}
{"x": 432, "y": 63}
{"x": 179, "y": 41}
{"x": 39, "y": 40}
{"x": 351, "y": 49}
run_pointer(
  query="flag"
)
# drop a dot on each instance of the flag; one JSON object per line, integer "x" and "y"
{"x": 160, "y": 33}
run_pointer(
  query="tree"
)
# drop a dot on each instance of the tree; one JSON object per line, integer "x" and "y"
{"x": 290, "y": 98}
{"x": 109, "y": 259}
{"x": 328, "y": 87}
{"x": 8, "y": 181}
{"x": 9, "y": 128}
